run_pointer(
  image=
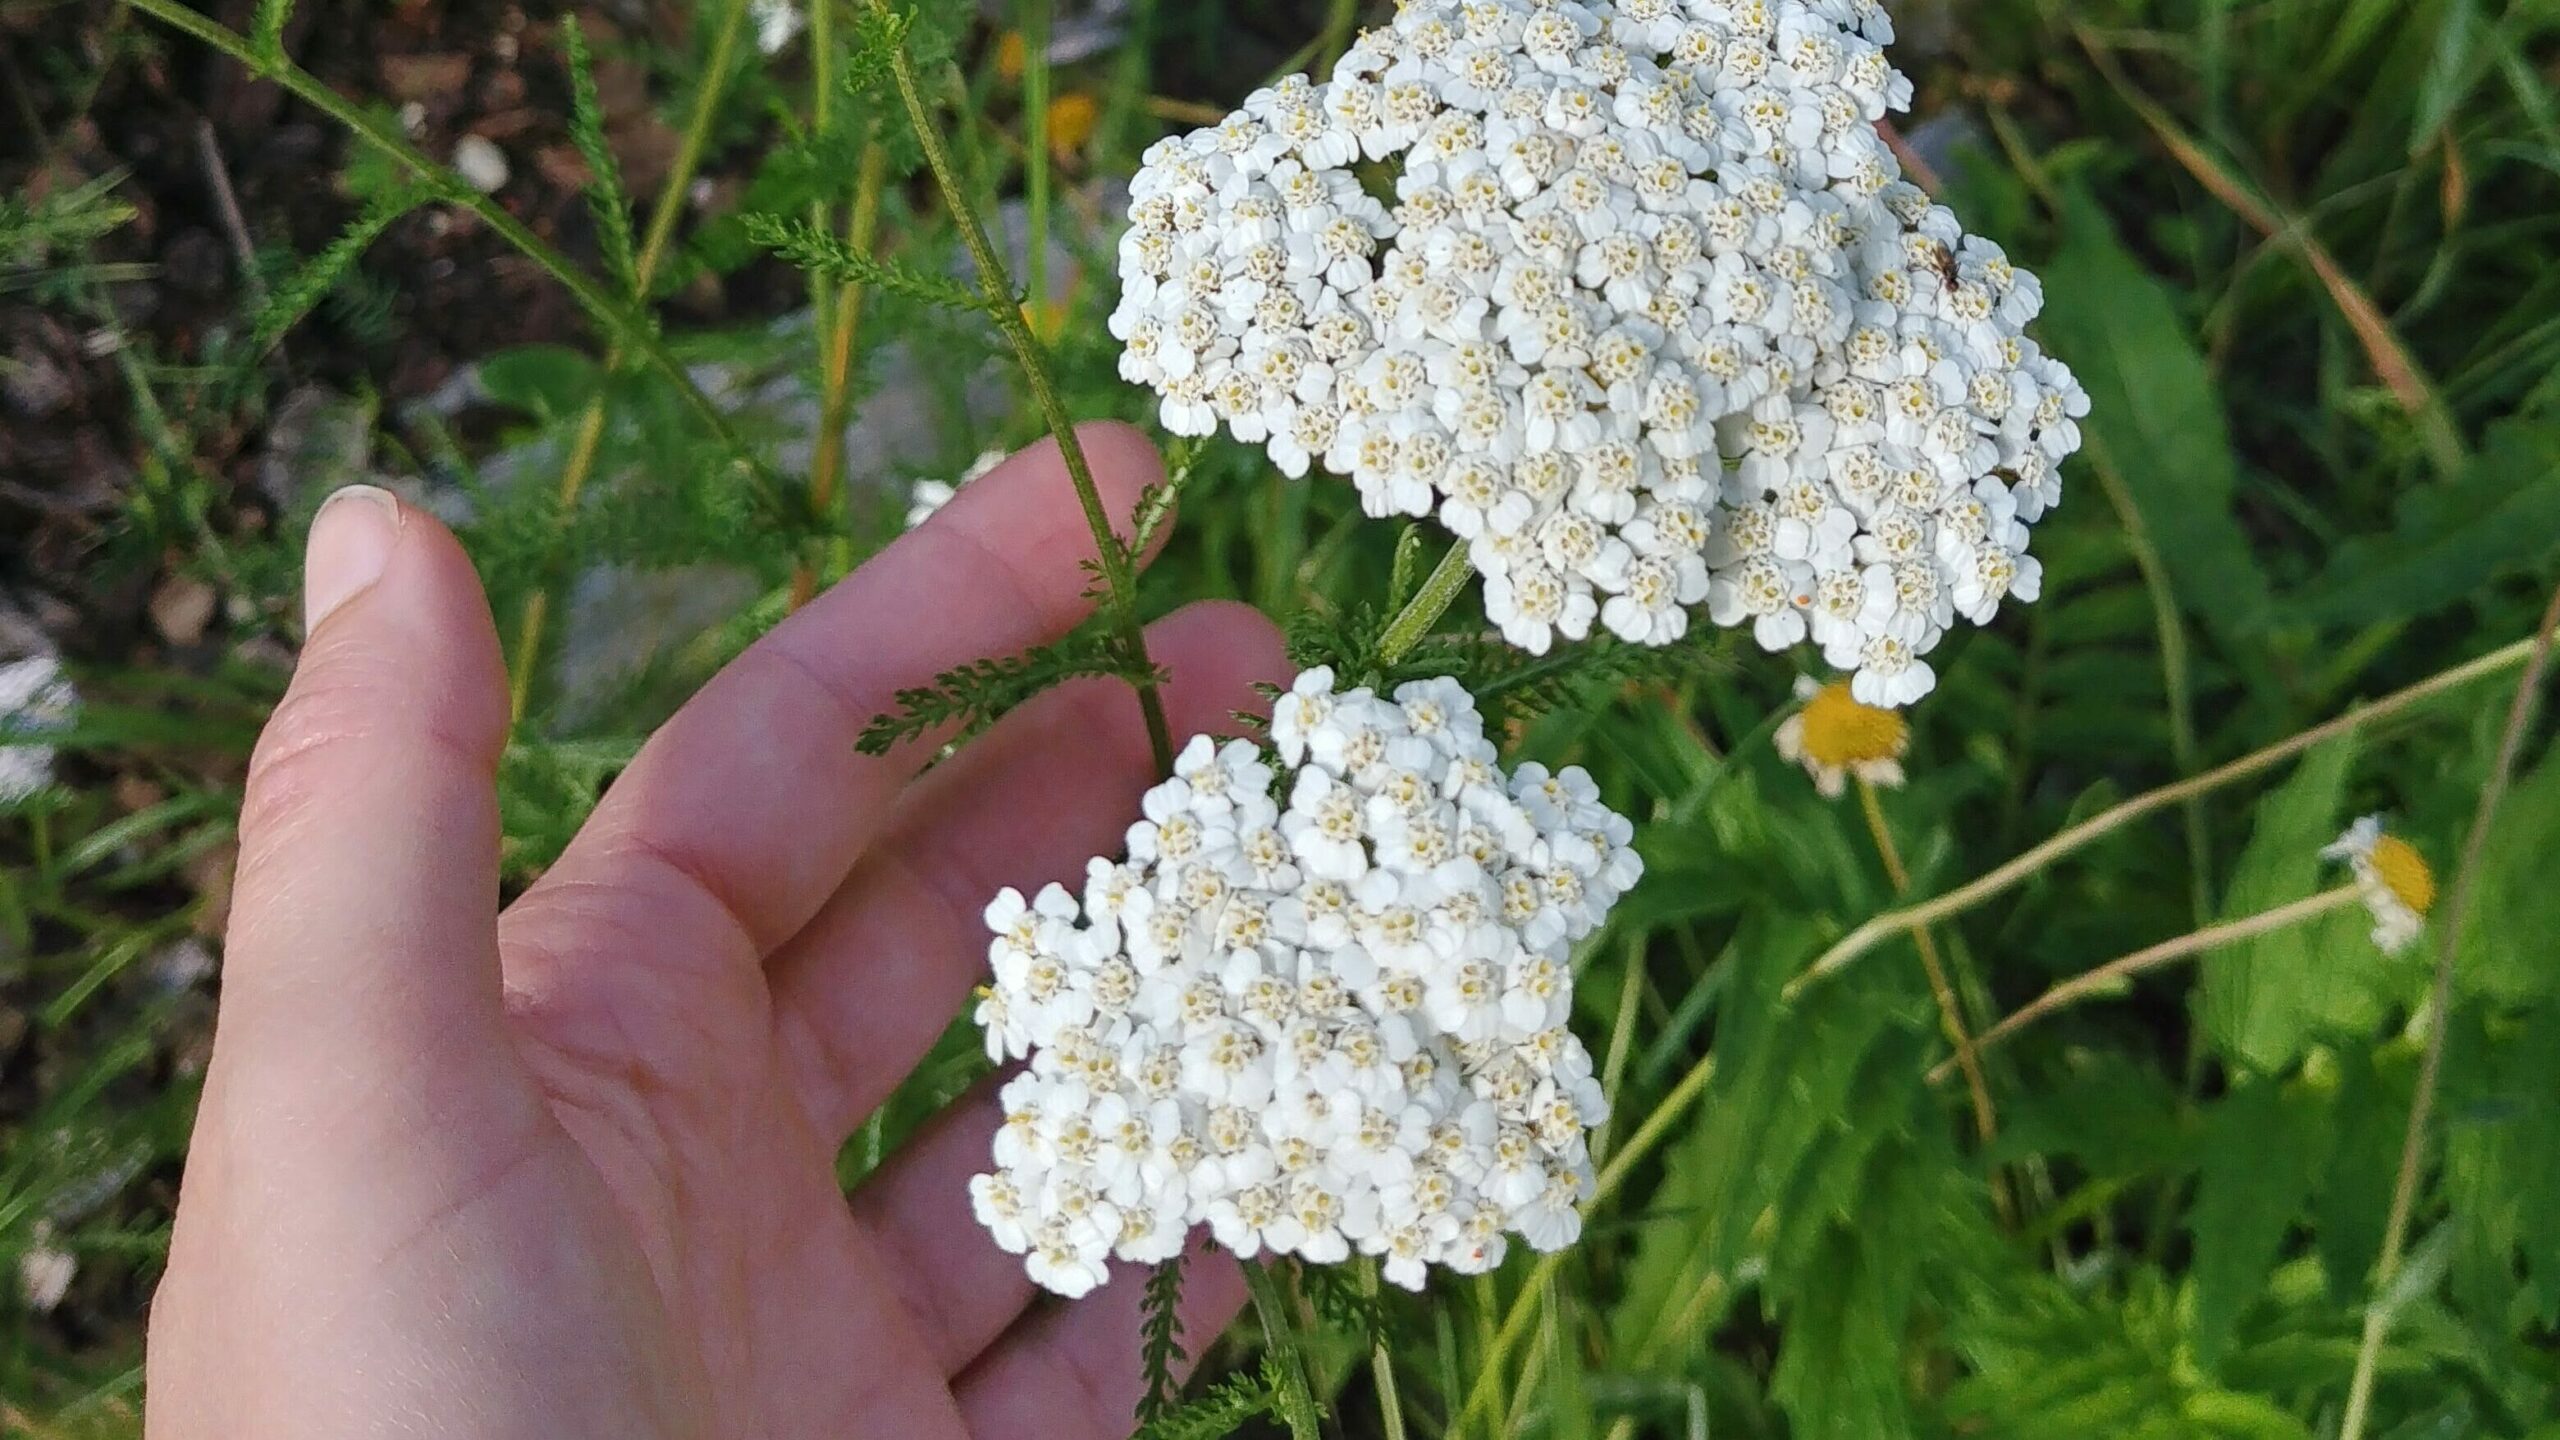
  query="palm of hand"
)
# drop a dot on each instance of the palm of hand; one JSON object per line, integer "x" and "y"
{"x": 573, "y": 1173}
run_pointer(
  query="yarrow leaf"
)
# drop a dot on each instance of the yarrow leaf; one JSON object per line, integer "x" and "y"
{"x": 606, "y": 200}
{"x": 977, "y": 694}
{"x": 290, "y": 301}
{"x": 813, "y": 249}
{"x": 1221, "y": 1410}
{"x": 1160, "y": 1342}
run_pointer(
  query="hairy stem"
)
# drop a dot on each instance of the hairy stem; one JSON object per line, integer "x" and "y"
{"x": 1986, "y": 1120}
{"x": 2115, "y": 972}
{"x": 1280, "y": 1333}
{"x": 1120, "y": 599}
{"x": 589, "y": 440}
{"x": 2036, "y": 859}
{"x": 1426, "y": 607}
{"x": 2448, "y": 927}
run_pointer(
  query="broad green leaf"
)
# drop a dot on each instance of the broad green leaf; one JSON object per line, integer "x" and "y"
{"x": 2511, "y": 941}
{"x": 2264, "y": 1144}
{"x": 2154, "y": 409}
{"x": 2263, "y": 999}
{"x": 2447, "y": 541}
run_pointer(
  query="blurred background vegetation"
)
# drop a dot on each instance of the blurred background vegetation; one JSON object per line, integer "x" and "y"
{"x": 2301, "y": 252}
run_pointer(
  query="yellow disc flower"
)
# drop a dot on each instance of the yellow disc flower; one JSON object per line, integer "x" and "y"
{"x": 1835, "y": 736}
{"x": 2391, "y": 877}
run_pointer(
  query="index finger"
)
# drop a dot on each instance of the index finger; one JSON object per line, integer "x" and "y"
{"x": 753, "y": 796}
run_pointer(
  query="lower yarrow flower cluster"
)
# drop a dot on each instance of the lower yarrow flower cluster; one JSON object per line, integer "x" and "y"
{"x": 1320, "y": 1017}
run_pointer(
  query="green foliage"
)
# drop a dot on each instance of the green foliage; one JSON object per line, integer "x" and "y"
{"x": 316, "y": 278}
{"x": 812, "y": 249}
{"x": 2264, "y": 1147}
{"x": 1221, "y": 1409}
{"x": 974, "y": 696}
{"x": 2502, "y": 514}
{"x": 2174, "y": 1234}
{"x": 2153, "y": 411}
{"x": 2265, "y": 999}
{"x": 1160, "y": 1353}
{"x": 34, "y": 230}
{"x": 605, "y": 198}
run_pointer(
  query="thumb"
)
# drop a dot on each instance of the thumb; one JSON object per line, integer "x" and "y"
{"x": 364, "y": 921}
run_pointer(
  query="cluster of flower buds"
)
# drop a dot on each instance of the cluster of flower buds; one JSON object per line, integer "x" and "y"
{"x": 1649, "y": 319}
{"x": 1319, "y": 1016}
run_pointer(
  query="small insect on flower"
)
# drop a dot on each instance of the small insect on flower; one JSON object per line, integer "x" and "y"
{"x": 1322, "y": 1017}
{"x": 2391, "y": 877}
{"x": 1834, "y": 737}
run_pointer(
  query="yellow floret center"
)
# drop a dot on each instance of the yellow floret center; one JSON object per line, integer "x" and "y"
{"x": 1839, "y": 731}
{"x": 2404, "y": 872}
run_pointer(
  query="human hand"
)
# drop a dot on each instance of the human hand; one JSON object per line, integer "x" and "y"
{"x": 569, "y": 1170}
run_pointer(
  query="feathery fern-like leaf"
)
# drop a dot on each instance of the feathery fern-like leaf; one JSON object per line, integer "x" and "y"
{"x": 810, "y": 248}
{"x": 606, "y": 199}
{"x": 1221, "y": 1409}
{"x": 290, "y": 301}
{"x": 1160, "y": 1342}
{"x": 975, "y": 695}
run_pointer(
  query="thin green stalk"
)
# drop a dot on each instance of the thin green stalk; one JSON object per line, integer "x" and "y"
{"x": 1120, "y": 584}
{"x": 589, "y": 440}
{"x": 2174, "y": 672}
{"x": 842, "y": 320}
{"x": 2115, "y": 972}
{"x": 1415, "y": 620}
{"x": 1986, "y": 1120}
{"x": 2413, "y": 1144}
{"x": 1279, "y": 1332}
{"x": 1035, "y": 128}
{"x": 620, "y": 323}
{"x": 1382, "y": 1365}
{"x": 2106, "y": 822}
{"x": 1515, "y": 1322}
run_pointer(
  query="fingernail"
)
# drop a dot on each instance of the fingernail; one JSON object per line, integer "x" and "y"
{"x": 351, "y": 542}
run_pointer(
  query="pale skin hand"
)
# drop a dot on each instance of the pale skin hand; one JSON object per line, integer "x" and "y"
{"x": 568, "y": 1171}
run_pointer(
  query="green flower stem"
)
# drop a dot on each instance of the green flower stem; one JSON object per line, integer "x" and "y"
{"x": 1421, "y": 612}
{"x": 1382, "y": 1365}
{"x": 841, "y": 321}
{"x": 1279, "y": 1332}
{"x": 1515, "y": 1322}
{"x": 1120, "y": 600}
{"x": 1035, "y": 161}
{"x": 2379, "y": 1311}
{"x": 2037, "y": 858}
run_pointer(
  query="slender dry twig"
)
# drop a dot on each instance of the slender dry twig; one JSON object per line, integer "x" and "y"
{"x": 2106, "y": 822}
{"x": 2448, "y": 923}
{"x": 2398, "y": 370}
{"x": 2115, "y": 972}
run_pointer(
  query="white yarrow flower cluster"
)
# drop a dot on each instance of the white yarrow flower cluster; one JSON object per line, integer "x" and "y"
{"x": 1651, "y": 322}
{"x": 34, "y": 699}
{"x": 1327, "y": 1022}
